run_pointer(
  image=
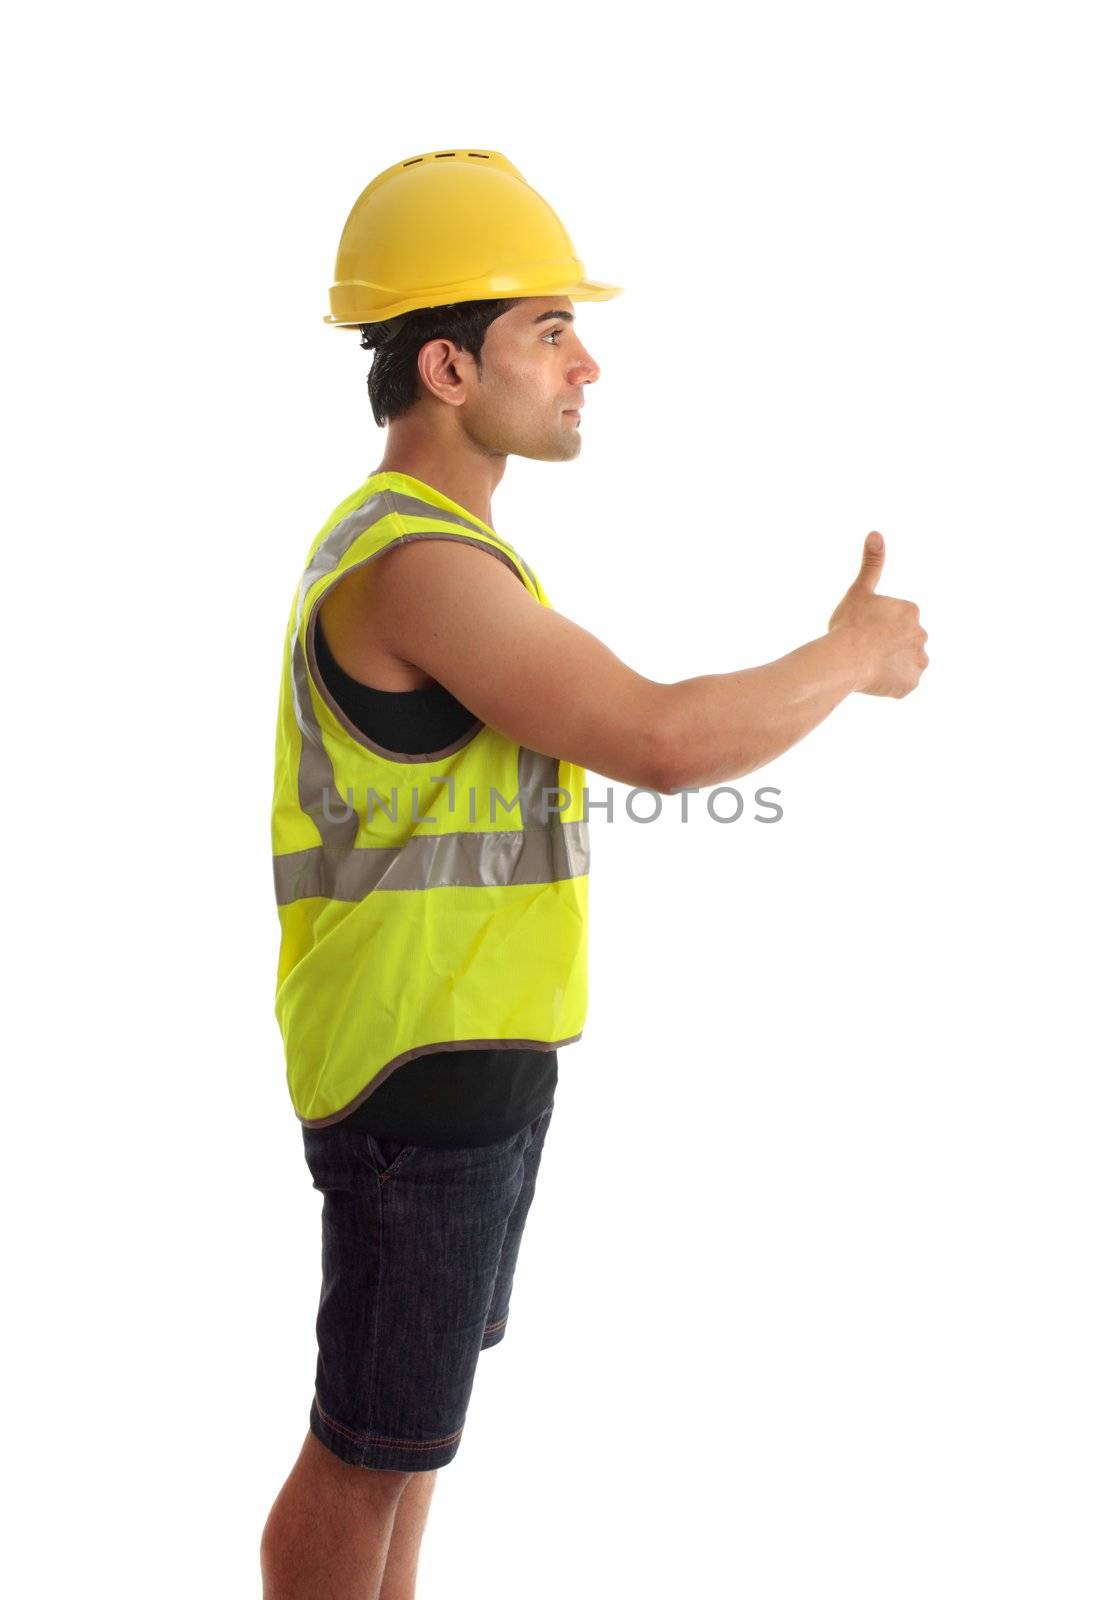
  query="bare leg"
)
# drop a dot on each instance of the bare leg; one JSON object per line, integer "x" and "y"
{"x": 328, "y": 1531}
{"x": 399, "y": 1582}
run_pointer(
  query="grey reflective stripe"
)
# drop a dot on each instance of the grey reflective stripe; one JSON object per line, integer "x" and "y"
{"x": 542, "y": 850}
{"x": 357, "y": 734}
{"x": 447, "y": 861}
{"x": 422, "y": 508}
{"x": 315, "y": 774}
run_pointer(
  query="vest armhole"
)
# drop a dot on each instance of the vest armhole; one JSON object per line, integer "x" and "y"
{"x": 359, "y": 735}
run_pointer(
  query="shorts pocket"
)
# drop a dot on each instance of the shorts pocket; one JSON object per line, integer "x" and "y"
{"x": 384, "y": 1155}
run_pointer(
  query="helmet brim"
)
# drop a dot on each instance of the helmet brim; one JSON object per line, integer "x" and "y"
{"x": 582, "y": 289}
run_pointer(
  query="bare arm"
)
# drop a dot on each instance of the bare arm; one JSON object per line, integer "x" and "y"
{"x": 725, "y": 725}
{"x": 461, "y": 616}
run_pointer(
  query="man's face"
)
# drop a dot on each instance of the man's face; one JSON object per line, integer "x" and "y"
{"x": 532, "y": 382}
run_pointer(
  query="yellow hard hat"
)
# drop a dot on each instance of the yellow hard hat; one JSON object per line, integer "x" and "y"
{"x": 448, "y": 226}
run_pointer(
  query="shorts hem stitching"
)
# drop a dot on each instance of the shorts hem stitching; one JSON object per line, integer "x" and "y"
{"x": 379, "y": 1438}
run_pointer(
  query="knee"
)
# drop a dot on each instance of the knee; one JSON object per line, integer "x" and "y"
{"x": 379, "y": 1482}
{"x": 325, "y": 1493}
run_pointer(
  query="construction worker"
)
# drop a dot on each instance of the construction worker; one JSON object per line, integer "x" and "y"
{"x": 431, "y": 851}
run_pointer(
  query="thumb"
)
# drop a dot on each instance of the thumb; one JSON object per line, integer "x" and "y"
{"x": 872, "y": 562}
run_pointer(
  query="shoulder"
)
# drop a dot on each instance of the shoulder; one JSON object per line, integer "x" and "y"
{"x": 422, "y": 569}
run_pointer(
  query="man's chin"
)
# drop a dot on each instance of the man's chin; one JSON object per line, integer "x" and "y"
{"x": 569, "y": 447}
{"x": 551, "y": 450}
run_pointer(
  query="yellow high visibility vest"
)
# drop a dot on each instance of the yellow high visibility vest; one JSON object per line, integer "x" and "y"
{"x": 427, "y": 902}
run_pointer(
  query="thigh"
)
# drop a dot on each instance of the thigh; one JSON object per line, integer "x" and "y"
{"x": 411, "y": 1243}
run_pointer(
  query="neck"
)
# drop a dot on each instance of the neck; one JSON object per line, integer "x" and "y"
{"x": 464, "y": 475}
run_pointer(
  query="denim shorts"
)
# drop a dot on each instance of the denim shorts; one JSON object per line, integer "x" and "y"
{"x": 418, "y": 1253}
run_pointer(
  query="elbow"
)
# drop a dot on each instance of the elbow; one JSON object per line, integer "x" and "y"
{"x": 663, "y": 743}
{"x": 676, "y": 779}
{"x": 668, "y": 768}
{"x": 679, "y": 756}
{"x": 652, "y": 773}
{"x": 680, "y": 766}
{"x": 673, "y": 778}
{"x": 667, "y": 777}
{"x": 667, "y": 765}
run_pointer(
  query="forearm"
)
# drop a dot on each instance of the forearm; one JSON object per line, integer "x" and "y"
{"x": 725, "y": 725}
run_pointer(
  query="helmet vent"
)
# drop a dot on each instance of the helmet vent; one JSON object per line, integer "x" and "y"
{"x": 441, "y": 155}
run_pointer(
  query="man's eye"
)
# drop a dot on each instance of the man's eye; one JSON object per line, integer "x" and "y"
{"x": 556, "y": 333}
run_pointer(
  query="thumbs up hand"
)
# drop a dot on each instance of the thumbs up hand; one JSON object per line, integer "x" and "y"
{"x": 888, "y": 638}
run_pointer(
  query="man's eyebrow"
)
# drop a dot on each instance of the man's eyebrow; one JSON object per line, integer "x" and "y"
{"x": 547, "y": 316}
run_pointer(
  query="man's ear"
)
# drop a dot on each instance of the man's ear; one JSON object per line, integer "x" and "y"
{"x": 445, "y": 370}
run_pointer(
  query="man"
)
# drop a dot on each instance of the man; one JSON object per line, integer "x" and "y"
{"x": 433, "y": 946}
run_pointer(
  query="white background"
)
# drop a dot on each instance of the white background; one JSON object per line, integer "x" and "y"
{"x": 806, "y": 1304}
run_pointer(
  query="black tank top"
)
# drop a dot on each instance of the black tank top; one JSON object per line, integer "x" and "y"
{"x": 450, "y": 1097}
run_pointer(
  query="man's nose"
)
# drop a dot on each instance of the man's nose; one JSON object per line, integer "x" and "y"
{"x": 587, "y": 370}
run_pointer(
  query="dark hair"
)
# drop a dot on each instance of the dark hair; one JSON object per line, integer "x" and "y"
{"x": 393, "y": 380}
